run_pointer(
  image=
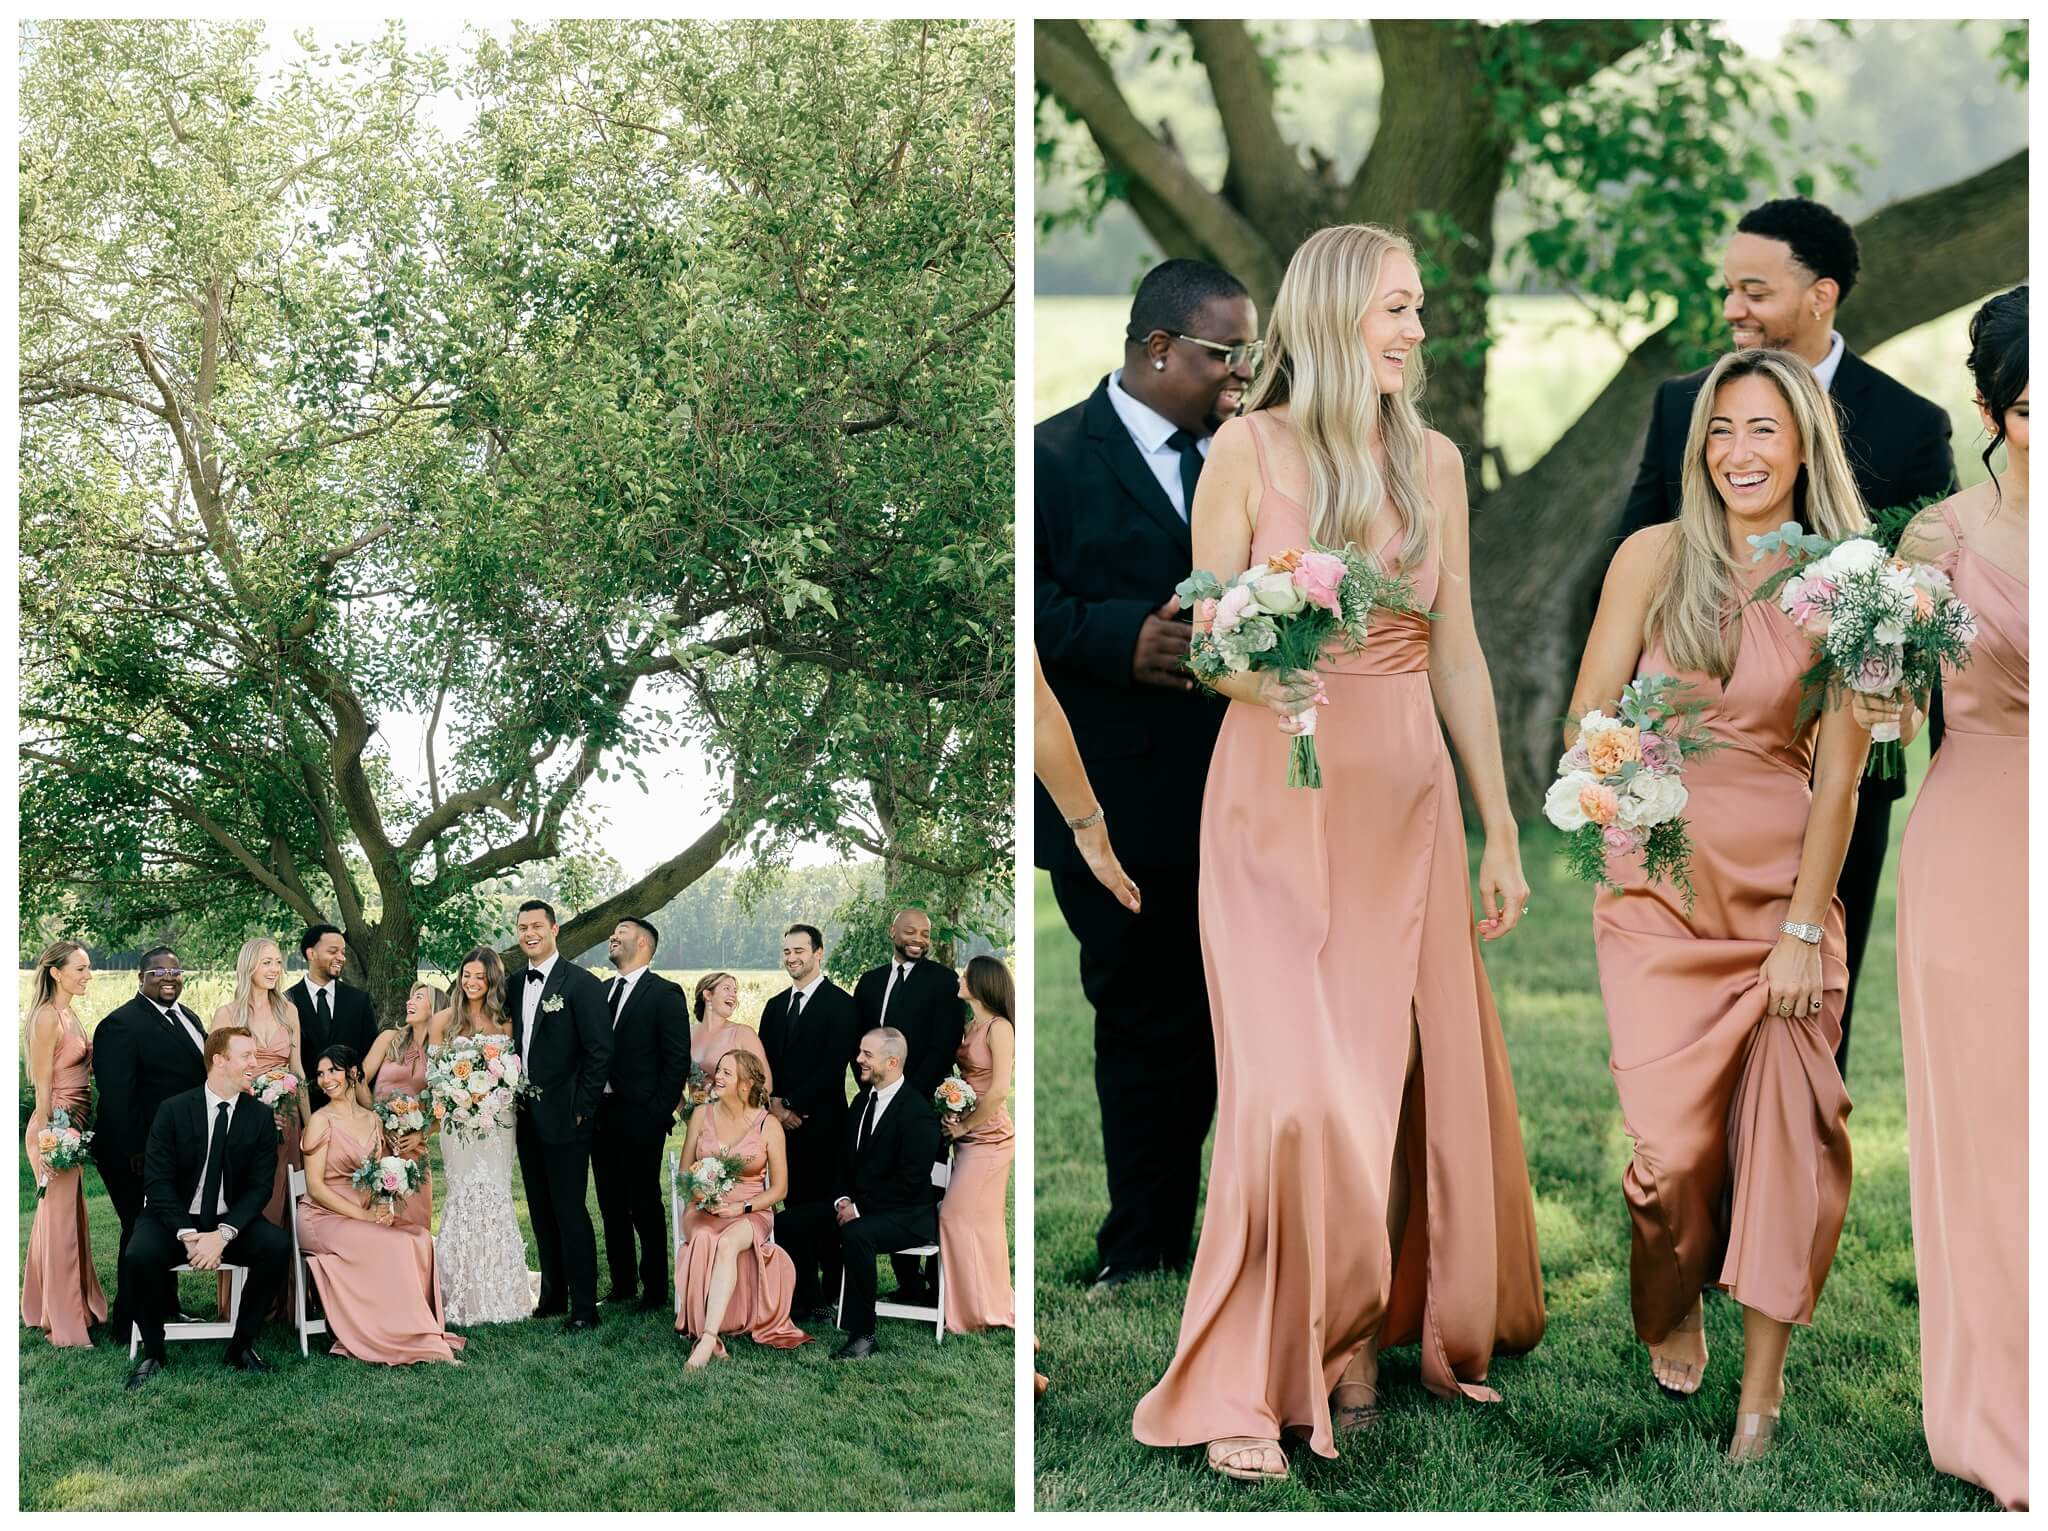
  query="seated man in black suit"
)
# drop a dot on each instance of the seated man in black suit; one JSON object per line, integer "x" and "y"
{"x": 883, "y": 1197}
{"x": 330, "y": 1011}
{"x": 207, "y": 1172}
{"x": 1790, "y": 265}
{"x": 143, "y": 1054}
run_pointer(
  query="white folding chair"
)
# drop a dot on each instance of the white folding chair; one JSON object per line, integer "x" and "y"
{"x": 302, "y": 1269}
{"x": 675, "y": 1223}
{"x": 935, "y": 1315}
{"x": 222, "y": 1328}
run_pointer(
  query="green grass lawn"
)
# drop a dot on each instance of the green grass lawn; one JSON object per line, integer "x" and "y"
{"x": 1583, "y": 1426}
{"x": 534, "y": 1419}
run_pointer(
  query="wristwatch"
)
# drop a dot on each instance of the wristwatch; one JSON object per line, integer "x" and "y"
{"x": 1088, "y": 821}
{"x": 748, "y": 1207}
{"x": 1810, "y": 934}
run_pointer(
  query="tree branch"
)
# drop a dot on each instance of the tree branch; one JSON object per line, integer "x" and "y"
{"x": 1265, "y": 175}
{"x": 660, "y": 885}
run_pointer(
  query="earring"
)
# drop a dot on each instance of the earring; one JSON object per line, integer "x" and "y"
{"x": 1158, "y": 366}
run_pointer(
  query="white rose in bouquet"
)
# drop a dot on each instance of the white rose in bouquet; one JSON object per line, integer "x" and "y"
{"x": 1856, "y": 554}
{"x": 1561, "y": 802}
{"x": 1278, "y": 594}
{"x": 1651, "y": 799}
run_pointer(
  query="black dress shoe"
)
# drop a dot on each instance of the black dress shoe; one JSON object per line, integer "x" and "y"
{"x": 146, "y": 1368}
{"x": 1108, "y": 1280}
{"x": 823, "y": 1313}
{"x": 619, "y": 1294}
{"x": 653, "y": 1302}
{"x": 578, "y": 1324}
{"x": 860, "y": 1345}
{"x": 247, "y": 1361}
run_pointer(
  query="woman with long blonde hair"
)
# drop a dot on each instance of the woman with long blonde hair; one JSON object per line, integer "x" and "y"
{"x": 397, "y": 1065}
{"x": 60, "y": 1290}
{"x": 1724, "y": 1018}
{"x": 1338, "y": 935}
{"x": 258, "y": 1002}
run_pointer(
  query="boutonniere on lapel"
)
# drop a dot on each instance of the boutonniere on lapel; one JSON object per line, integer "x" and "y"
{"x": 550, "y": 1005}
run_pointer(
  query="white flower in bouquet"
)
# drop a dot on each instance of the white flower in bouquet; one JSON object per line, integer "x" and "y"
{"x": 1652, "y": 798}
{"x": 1561, "y": 804}
{"x": 1277, "y": 593}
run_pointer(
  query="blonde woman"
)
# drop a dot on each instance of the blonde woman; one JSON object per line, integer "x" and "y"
{"x": 259, "y": 1005}
{"x": 1723, "y": 1019}
{"x": 60, "y": 1290}
{"x": 1337, "y": 926}
{"x": 397, "y": 1065}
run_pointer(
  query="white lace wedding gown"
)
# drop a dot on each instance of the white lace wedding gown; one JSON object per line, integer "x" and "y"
{"x": 482, "y": 1259}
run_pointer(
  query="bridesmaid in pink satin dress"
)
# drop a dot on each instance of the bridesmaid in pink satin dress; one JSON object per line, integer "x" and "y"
{"x": 1359, "y": 1059}
{"x": 273, "y": 1023}
{"x": 732, "y": 1277}
{"x": 974, "y": 1250}
{"x": 1963, "y": 962}
{"x": 60, "y": 1290}
{"x": 715, "y": 1033}
{"x": 397, "y": 1065}
{"x": 377, "y": 1280}
{"x": 1723, "y": 1021}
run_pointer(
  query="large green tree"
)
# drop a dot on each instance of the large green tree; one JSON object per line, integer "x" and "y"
{"x": 667, "y": 403}
{"x": 1630, "y": 147}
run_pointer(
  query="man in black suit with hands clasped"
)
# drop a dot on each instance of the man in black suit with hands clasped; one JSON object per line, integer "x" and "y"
{"x": 207, "y": 1172}
{"x": 562, "y": 1032}
{"x": 329, "y": 1010}
{"x": 650, "y": 1025}
{"x": 144, "y": 1053}
{"x": 882, "y": 1184}
{"x": 810, "y": 1033}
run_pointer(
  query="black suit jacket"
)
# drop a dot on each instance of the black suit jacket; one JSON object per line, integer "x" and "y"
{"x": 1896, "y": 441}
{"x": 571, "y": 1055}
{"x": 650, "y": 1052}
{"x": 138, "y": 1062}
{"x": 174, "y": 1163}
{"x": 810, "y": 1066}
{"x": 355, "y": 1023}
{"x": 1109, "y": 549}
{"x": 892, "y": 1172}
{"x": 927, "y": 1009}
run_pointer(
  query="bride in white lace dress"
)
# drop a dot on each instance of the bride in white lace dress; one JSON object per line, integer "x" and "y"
{"x": 480, "y": 1253}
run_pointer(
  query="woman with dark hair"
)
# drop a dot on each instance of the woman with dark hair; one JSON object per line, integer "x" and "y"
{"x": 1963, "y": 958}
{"x": 374, "y": 1270}
{"x": 719, "y": 1291}
{"x": 973, "y": 1251}
{"x": 482, "y": 1257}
{"x": 60, "y": 1290}
{"x": 714, "y": 1033}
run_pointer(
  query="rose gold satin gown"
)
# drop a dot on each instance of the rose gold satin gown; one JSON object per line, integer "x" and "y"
{"x": 1327, "y": 917}
{"x": 409, "y": 1077}
{"x": 973, "y": 1249}
{"x": 378, "y": 1283}
{"x": 765, "y": 1284}
{"x": 60, "y": 1290}
{"x": 1963, "y": 1011}
{"x": 1740, "y": 1176}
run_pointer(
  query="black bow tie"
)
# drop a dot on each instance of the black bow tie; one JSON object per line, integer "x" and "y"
{"x": 535, "y": 975}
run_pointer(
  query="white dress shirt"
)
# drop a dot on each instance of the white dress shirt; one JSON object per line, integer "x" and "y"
{"x": 807, "y": 990}
{"x": 1824, "y": 372}
{"x": 882, "y": 1098}
{"x": 315, "y": 990}
{"x": 529, "y": 1002}
{"x": 214, "y": 1103}
{"x": 1150, "y": 429}
{"x": 186, "y": 1027}
{"x": 625, "y": 995}
{"x": 899, "y": 973}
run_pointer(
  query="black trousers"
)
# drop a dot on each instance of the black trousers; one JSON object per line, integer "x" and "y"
{"x": 1155, "y": 1058}
{"x": 556, "y": 1176}
{"x": 625, "y": 1164}
{"x": 154, "y": 1250}
{"x": 1862, "y": 868}
{"x": 815, "y": 1226}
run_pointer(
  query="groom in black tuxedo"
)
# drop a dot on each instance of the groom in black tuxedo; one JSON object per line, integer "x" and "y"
{"x": 1790, "y": 266}
{"x": 144, "y": 1053}
{"x": 881, "y": 1197}
{"x": 565, "y": 1037}
{"x": 329, "y": 1010}
{"x": 207, "y": 1172}
{"x": 650, "y": 1025}
{"x": 1115, "y": 482}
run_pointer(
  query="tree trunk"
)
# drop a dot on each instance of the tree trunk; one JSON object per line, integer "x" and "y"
{"x": 390, "y": 958}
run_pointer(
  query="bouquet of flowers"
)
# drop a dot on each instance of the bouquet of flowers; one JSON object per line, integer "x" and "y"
{"x": 474, "y": 1086}
{"x": 401, "y": 1114}
{"x": 1619, "y": 789}
{"x": 279, "y": 1090}
{"x": 707, "y": 1181}
{"x": 62, "y": 1146}
{"x": 390, "y": 1179}
{"x": 1880, "y": 625}
{"x": 1280, "y": 614}
{"x": 955, "y": 1097}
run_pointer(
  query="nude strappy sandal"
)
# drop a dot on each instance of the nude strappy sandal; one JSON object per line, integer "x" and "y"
{"x": 1225, "y": 1447}
{"x": 1753, "y": 1436}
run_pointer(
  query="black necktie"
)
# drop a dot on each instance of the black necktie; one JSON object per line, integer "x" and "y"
{"x": 216, "y": 1162}
{"x": 867, "y": 1123}
{"x": 320, "y": 1009}
{"x": 1190, "y": 468}
{"x": 618, "y": 998}
{"x": 178, "y": 1025}
{"x": 796, "y": 1004}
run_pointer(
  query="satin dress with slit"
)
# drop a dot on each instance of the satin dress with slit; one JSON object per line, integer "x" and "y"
{"x": 1334, "y": 922}
{"x": 764, "y": 1278}
{"x": 1739, "y": 1177}
{"x": 60, "y": 1290}
{"x": 1963, "y": 1015}
{"x": 974, "y": 1249}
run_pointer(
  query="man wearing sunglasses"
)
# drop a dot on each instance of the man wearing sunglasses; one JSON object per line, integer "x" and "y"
{"x": 144, "y": 1053}
{"x": 1115, "y": 483}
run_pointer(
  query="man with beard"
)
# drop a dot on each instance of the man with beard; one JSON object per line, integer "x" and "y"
{"x": 922, "y": 1000}
{"x": 144, "y": 1053}
{"x": 329, "y": 1010}
{"x": 1791, "y": 264}
{"x": 1115, "y": 484}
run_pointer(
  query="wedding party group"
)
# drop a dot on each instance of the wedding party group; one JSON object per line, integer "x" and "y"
{"x": 1256, "y": 628}
{"x": 290, "y": 1121}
